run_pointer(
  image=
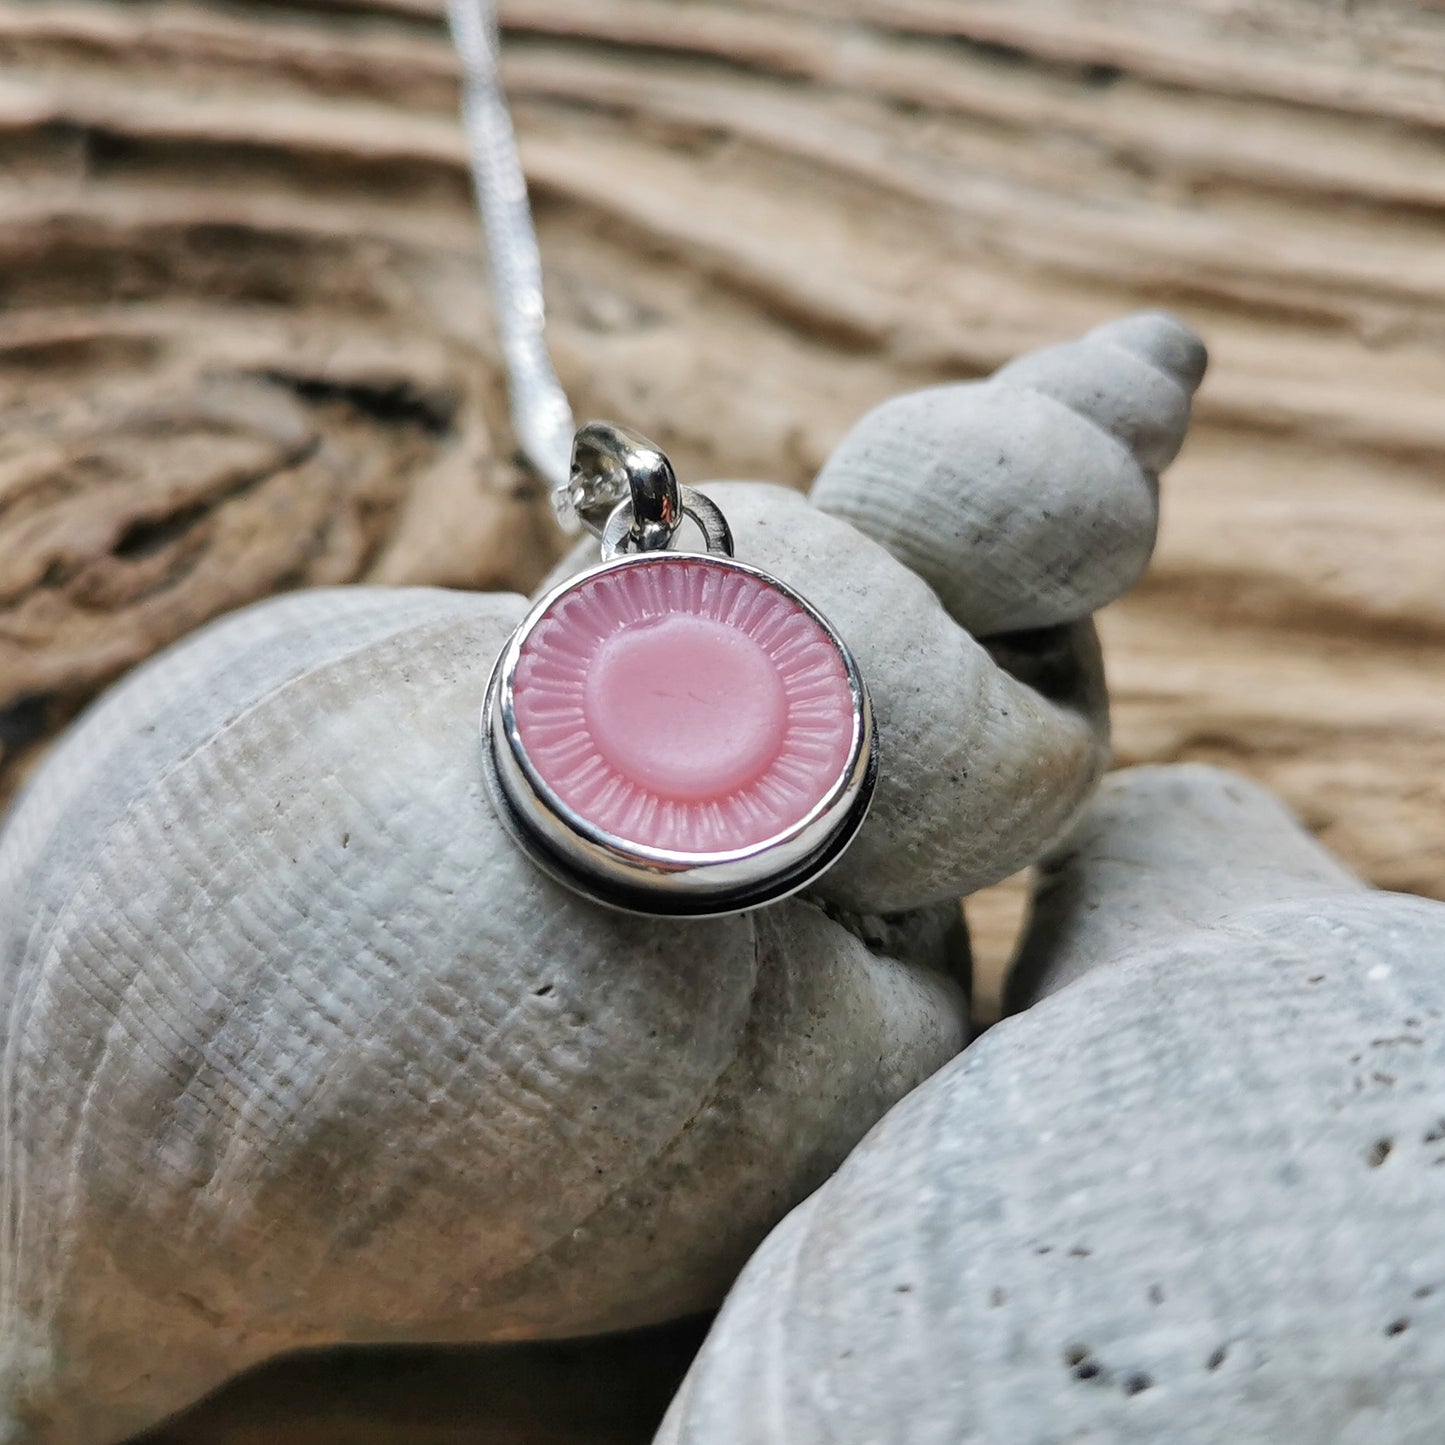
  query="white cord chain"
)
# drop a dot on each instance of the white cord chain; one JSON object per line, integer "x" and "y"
{"x": 541, "y": 416}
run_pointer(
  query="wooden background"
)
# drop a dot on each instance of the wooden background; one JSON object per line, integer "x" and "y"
{"x": 245, "y": 342}
{"x": 244, "y": 335}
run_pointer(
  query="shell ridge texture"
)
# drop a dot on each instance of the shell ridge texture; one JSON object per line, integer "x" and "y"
{"x": 300, "y": 1049}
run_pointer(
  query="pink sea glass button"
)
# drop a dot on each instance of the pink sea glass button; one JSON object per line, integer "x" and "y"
{"x": 685, "y": 704}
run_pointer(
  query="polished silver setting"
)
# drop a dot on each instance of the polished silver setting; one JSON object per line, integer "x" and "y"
{"x": 625, "y": 491}
{"x": 639, "y": 879}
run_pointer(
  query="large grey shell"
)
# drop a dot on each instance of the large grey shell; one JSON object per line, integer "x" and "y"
{"x": 299, "y": 1049}
{"x": 1196, "y": 1195}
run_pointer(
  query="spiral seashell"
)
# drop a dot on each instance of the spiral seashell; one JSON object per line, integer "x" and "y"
{"x": 1193, "y": 1194}
{"x": 300, "y": 1050}
{"x": 931, "y": 473}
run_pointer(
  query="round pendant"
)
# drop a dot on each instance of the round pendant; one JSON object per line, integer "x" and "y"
{"x": 679, "y": 733}
{"x": 674, "y": 732}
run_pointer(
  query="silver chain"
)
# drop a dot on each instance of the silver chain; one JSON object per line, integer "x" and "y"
{"x": 541, "y": 416}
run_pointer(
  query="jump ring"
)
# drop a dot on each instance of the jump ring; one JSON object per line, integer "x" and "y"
{"x": 620, "y": 537}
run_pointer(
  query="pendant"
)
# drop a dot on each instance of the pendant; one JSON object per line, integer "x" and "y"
{"x": 674, "y": 732}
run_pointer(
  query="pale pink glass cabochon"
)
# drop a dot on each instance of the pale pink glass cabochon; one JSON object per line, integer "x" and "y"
{"x": 685, "y": 705}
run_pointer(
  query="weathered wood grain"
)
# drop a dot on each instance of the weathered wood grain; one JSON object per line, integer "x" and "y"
{"x": 244, "y": 342}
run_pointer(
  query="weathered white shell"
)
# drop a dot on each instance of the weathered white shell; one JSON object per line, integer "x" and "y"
{"x": 300, "y": 1049}
{"x": 933, "y": 474}
{"x": 1194, "y": 1196}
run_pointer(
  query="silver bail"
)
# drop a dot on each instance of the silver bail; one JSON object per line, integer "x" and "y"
{"x": 612, "y": 465}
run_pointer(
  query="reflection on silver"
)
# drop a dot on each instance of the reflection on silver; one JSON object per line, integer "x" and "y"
{"x": 613, "y": 464}
{"x": 625, "y": 491}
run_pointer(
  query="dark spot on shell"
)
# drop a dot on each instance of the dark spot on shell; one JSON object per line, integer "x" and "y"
{"x": 1137, "y": 1384}
{"x": 1075, "y": 1355}
{"x": 1156, "y": 1295}
{"x": 1379, "y": 1152}
{"x": 1397, "y": 1327}
{"x": 1217, "y": 1358}
{"x": 543, "y": 991}
{"x": 997, "y": 1298}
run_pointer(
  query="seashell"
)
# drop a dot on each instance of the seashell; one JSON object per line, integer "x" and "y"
{"x": 300, "y": 1050}
{"x": 931, "y": 473}
{"x": 1193, "y": 1194}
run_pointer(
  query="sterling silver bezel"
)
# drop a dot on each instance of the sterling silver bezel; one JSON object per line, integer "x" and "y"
{"x": 640, "y": 879}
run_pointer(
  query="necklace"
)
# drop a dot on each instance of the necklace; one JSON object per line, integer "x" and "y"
{"x": 671, "y": 731}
